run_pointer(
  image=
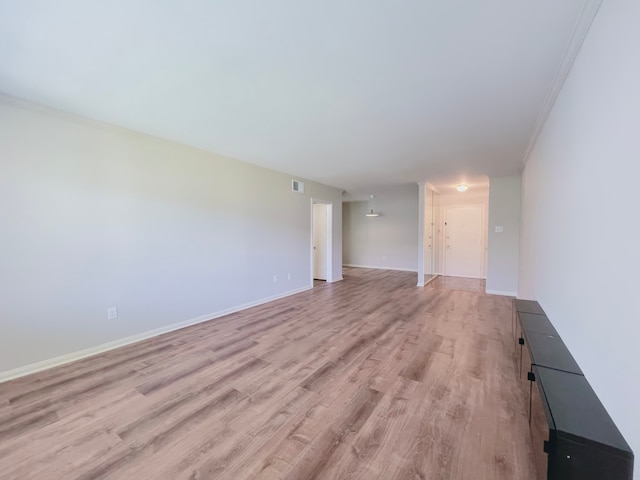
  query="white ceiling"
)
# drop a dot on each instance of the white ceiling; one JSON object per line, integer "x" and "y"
{"x": 353, "y": 93}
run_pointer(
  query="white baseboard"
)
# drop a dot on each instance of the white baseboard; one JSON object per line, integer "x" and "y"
{"x": 381, "y": 268}
{"x": 89, "y": 352}
{"x": 499, "y": 292}
{"x": 336, "y": 279}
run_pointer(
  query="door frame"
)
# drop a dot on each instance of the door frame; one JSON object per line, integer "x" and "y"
{"x": 329, "y": 242}
{"x": 483, "y": 234}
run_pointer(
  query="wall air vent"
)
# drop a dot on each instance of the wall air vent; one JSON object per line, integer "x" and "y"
{"x": 297, "y": 186}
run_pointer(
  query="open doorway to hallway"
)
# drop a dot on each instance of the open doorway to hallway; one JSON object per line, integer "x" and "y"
{"x": 321, "y": 240}
{"x": 454, "y": 230}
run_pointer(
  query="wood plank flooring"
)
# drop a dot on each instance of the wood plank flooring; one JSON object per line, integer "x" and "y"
{"x": 371, "y": 377}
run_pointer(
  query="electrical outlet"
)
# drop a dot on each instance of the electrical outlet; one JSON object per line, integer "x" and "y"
{"x": 275, "y": 279}
{"x": 112, "y": 313}
{"x": 288, "y": 276}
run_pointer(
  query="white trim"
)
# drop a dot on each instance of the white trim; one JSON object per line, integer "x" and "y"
{"x": 421, "y": 199}
{"x": 578, "y": 34}
{"x": 91, "y": 351}
{"x": 500, "y": 292}
{"x": 380, "y": 268}
{"x": 336, "y": 279}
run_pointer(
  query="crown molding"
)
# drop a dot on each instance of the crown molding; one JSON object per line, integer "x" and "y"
{"x": 579, "y": 33}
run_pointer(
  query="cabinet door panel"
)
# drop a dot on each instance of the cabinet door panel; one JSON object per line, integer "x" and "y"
{"x": 539, "y": 426}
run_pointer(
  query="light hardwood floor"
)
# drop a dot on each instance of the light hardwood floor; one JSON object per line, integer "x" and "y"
{"x": 371, "y": 377}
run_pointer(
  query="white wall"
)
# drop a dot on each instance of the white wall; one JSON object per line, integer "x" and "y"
{"x": 503, "y": 247}
{"x": 94, "y": 216}
{"x": 388, "y": 241}
{"x": 580, "y": 236}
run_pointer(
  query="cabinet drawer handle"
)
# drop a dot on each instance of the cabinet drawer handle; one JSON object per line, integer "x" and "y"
{"x": 531, "y": 377}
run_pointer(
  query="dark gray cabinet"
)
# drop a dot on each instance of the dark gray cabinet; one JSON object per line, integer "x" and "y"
{"x": 573, "y": 436}
{"x": 530, "y": 323}
{"x": 545, "y": 351}
{"x": 523, "y": 306}
{"x": 578, "y": 438}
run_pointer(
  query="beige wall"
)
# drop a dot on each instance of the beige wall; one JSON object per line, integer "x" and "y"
{"x": 503, "y": 247}
{"x": 388, "y": 241}
{"x": 95, "y": 216}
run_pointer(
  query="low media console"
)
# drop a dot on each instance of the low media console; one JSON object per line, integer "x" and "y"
{"x": 573, "y": 436}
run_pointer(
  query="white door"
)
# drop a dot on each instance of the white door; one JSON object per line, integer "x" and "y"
{"x": 320, "y": 241}
{"x": 463, "y": 242}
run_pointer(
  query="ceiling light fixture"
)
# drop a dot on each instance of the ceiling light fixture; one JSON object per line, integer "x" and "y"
{"x": 462, "y": 187}
{"x": 371, "y": 213}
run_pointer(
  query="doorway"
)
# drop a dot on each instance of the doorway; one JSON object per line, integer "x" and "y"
{"x": 464, "y": 241}
{"x": 321, "y": 240}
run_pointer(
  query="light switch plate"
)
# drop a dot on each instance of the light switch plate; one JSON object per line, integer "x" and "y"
{"x": 499, "y": 229}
